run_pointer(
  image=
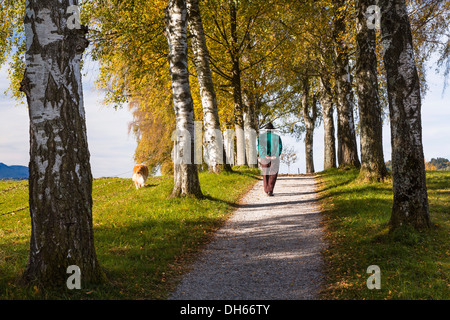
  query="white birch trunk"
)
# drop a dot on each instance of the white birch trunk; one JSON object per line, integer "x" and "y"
{"x": 326, "y": 102}
{"x": 60, "y": 179}
{"x": 212, "y": 136}
{"x": 250, "y": 135}
{"x": 186, "y": 180}
{"x": 309, "y": 118}
{"x": 229, "y": 136}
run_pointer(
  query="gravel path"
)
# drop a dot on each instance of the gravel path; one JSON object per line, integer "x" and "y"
{"x": 269, "y": 249}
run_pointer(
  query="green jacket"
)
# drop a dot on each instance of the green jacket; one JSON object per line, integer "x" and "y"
{"x": 269, "y": 143}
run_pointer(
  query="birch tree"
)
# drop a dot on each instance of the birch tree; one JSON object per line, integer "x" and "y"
{"x": 250, "y": 128}
{"x": 236, "y": 84}
{"x": 213, "y": 135}
{"x": 309, "y": 111}
{"x": 60, "y": 180}
{"x": 410, "y": 204}
{"x": 372, "y": 159}
{"x": 347, "y": 148}
{"x": 326, "y": 101}
{"x": 186, "y": 180}
{"x": 323, "y": 46}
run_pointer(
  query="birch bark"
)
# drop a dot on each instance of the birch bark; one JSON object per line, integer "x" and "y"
{"x": 250, "y": 130}
{"x": 237, "y": 88}
{"x": 326, "y": 101}
{"x": 410, "y": 204}
{"x": 213, "y": 135}
{"x": 186, "y": 180}
{"x": 60, "y": 180}
{"x": 250, "y": 117}
{"x": 309, "y": 117}
{"x": 373, "y": 167}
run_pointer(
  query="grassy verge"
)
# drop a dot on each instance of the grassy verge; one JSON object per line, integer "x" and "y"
{"x": 144, "y": 240}
{"x": 414, "y": 265}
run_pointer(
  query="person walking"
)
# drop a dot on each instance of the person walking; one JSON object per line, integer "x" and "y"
{"x": 269, "y": 150}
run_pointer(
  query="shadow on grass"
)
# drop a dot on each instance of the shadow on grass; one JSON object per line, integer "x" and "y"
{"x": 143, "y": 257}
{"x": 248, "y": 172}
{"x": 151, "y": 185}
{"x": 228, "y": 203}
{"x": 346, "y": 178}
{"x": 138, "y": 258}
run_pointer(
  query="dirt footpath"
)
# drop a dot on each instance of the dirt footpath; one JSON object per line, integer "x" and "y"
{"x": 269, "y": 249}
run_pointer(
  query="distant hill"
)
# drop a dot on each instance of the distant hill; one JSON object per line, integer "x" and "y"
{"x": 13, "y": 172}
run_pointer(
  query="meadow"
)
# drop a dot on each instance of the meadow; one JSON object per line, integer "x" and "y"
{"x": 144, "y": 240}
{"x": 413, "y": 264}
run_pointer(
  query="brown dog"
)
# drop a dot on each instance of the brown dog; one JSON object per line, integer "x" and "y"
{"x": 140, "y": 175}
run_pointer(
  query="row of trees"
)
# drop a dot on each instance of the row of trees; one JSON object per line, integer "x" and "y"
{"x": 287, "y": 60}
{"x": 231, "y": 64}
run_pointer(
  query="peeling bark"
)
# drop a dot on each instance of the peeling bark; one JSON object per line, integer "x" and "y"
{"x": 186, "y": 180}
{"x": 60, "y": 181}
{"x": 410, "y": 204}
{"x": 373, "y": 167}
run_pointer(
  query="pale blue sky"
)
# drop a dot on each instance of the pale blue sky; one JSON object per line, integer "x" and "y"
{"x": 110, "y": 145}
{"x": 112, "y": 148}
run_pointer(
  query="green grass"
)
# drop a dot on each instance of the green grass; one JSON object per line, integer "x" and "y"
{"x": 144, "y": 240}
{"x": 414, "y": 265}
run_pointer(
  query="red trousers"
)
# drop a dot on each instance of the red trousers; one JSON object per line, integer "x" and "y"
{"x": 270, "y": 173}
